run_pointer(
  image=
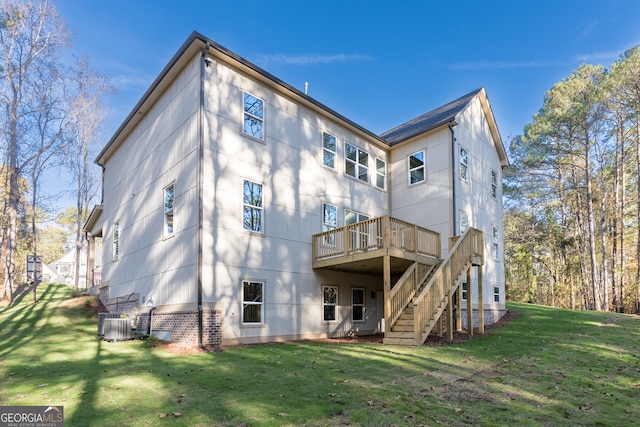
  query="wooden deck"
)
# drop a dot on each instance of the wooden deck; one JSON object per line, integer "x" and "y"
{"x": 426, "y": 284}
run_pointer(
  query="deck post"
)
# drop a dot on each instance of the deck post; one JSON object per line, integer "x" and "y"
{"x": 469, "y": 303}
{"x": 386, "y": 262}
{"x": 449, "y": 315}
{"x": 458, "y": 298}
{"x": 480, "y": 302}
{"x": 345, "y": 240}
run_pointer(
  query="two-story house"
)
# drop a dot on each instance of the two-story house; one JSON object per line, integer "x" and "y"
{"x": 238, "y": 209}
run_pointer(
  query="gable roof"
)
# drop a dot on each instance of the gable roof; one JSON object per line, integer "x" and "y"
{"x": 428, "y": 121}
{"x": 197, "y": 43}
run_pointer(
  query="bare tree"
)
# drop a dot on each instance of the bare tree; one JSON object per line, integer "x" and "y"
{"x": 31, "y": 37}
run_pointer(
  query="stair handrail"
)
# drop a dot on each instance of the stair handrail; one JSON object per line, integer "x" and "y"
{"x": 431, "y": 299}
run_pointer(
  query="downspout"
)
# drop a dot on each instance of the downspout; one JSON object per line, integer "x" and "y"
{"x": 200, "y": 173}
{"x": 453, "y": 178}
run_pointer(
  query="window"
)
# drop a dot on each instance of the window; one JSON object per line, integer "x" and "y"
{"x": 464, "y": 163}
{"x": 252, "y": 219}
{"x": 351, "y": 217}
{"x": 465, "y": 289}
{"x": 328, "y": 150}
{"x": 416, "y": 168}
{"x": 357, "y": 305}
{"x": 329, "y": 303}
{"x": 494, "y": 184}
{"x": 252, "y": 302}
{"x": 169, "y": 196}
{"x": 253, "y": 122}
{"x": 464, "y": 222}
{"x": 381, "y": 174}
{"x": 496, "y": 294}
{"x": 495, "y": 242}
{"x": 356, "y": 163}
{"x": 329, "y": 222}
{"x": 329, "y": 217}
{"x": 116, "y": 240}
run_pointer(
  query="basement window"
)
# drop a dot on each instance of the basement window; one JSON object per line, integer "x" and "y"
{"x": 252, "y": 302}
{"x": 329, "y": 303}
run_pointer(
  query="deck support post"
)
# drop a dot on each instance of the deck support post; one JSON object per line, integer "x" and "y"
{"x": 458, "y": 299}
{"x": 386, "y": 266}
{"x": 469, "y": 302}
{"x": 480, "y": 302}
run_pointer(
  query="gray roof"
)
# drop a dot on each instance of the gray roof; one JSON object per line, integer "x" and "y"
{"x": 428, "y": 121}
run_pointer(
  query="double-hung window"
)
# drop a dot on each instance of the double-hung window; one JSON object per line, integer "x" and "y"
{"x": 494, "y": 184}
{"x": 416, "y": 167}
{"x": 329, "y": 150}
{"x": 252, "y": 207}
{"x": 329, "y": 222}
{"x": 329, "y": 303}
{"x": 169, "y": 198}
{"x": 116, "y": 240}
{"x": 496, "y": 294}
{"x": 252, "y": 302}
{"x": 465, "y": 290}
{"x": 356, "y": 162}
{"x": 253, "y": 116}
{"x": 381, "y": 174}
{"x": 495, "y": 242}
{"x": 464, "y": 163}
{"x": 357, "y": 305}
{"x": 464, "y": 222}
{"x": 360, "y": 233}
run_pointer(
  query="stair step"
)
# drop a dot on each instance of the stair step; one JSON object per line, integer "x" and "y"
{"x": 402, "y": 328}
{"x": 400, "y": 335}
{"x": 404, "y": 322}
{"x": 399, "y": 341}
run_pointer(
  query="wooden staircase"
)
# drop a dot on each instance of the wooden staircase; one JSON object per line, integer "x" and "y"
{"x": 420, "y": 297}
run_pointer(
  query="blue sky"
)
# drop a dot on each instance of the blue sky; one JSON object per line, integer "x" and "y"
{"x": 380, "y": 63}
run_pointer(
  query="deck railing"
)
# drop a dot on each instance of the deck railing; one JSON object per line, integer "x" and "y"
{"x": 376, "y": 233}
{"x": 406, "y": 288}
{"x": 429, "y": 304}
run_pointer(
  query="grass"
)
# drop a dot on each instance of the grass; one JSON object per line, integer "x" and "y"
{"x": 546, "y": 367}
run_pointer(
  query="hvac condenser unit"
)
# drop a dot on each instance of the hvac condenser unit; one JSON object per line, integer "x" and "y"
{"x": 118, "y": 329}
{"x": 103, "y": 316}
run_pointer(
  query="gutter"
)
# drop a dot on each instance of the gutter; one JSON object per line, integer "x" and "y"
{"x": 200, "y": 173}
{"x": 451, "y": 124}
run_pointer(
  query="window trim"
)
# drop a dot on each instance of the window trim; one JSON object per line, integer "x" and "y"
{"x": 115, "y": 235}
{"x": 328, "y": 150}
{"x": 495, "y": 242}
{"x": 463, "y": 214}
{"x": 423, "y": 167}
{"x": 357, "y": 163}
{"x": 494, "y": 184}
{"x": 259, "y": 208}
{"x": 170, "y": 211}
{"x": 363, "y": 305}
{"x": 245, "y": 113}
{"x": 378, "y": 174}
{"x": 335, "y": 305}
{"x": 463, "y": 165}
{"x": 243, "y": 303}
{"x": 497, "y": 294}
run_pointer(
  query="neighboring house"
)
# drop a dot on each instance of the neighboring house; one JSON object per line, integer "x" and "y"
{"x": 237, "y": 209}
{"x": 65, "y": 269}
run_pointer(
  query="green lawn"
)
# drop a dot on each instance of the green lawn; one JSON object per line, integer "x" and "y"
{"x": 546, "y": 367}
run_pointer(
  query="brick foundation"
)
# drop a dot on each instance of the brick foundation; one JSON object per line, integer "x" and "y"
{"x": 184, "y": 327}
{"x": 490, "y": 317}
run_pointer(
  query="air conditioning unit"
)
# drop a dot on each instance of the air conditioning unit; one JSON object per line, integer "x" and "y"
{"x": 103, "y": 316}
{"x": 118, "y": 329}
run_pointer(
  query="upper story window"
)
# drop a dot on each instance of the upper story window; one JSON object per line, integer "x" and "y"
{"x": 252, "y": 218}
{"x": 464, "y": 222}
{"x": 351, "y": 217}
{"x": 381, "y": 174}
{"x": 329, "y": 217}
{"x": 356, "y": 163}
{"x": 116, "y": 240}
{"x": 253, "y": 122}
{"x": 329, "y": 150}
{"x": 252, "y": 302}
{"x": 169, "y": 196}
{"x": 495, "y": 242}
{"x": 494, "y": 184}
{"x": 464, "y": 163}
{"x": 416, "y": 167}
